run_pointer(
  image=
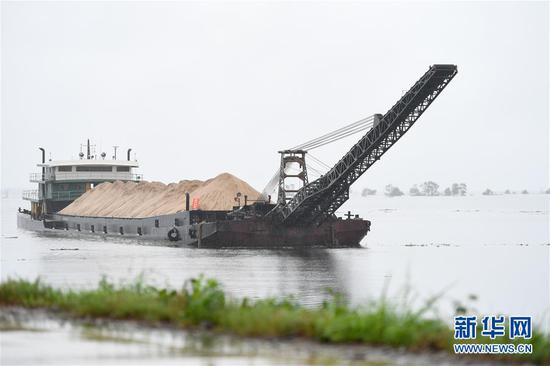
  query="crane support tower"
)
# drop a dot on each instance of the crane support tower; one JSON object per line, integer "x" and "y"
{"x": 289, "y": 157}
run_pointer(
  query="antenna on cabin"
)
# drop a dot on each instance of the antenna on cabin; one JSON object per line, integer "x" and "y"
{"x": 115, "y": 147}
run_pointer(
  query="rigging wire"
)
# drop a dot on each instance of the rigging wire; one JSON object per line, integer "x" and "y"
{"x": 359, "y": 125}
{"x": 338, "y": 136}
{"x": 310, "y": 168}
{"x": 271, "y": 185}
{"x": 340, "y": 133}
{"x": 318, "y": 161}
{"x": 339, "y": 130}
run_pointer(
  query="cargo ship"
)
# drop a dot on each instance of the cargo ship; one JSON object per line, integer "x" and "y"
{"x": 299, "y": 217}
{"x": 62, "y": 182}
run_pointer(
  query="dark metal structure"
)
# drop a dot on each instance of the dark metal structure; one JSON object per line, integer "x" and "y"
{"x": 318, "y": 200}
{"x": 304, "y": 214}
{"x": 289, "y": 157}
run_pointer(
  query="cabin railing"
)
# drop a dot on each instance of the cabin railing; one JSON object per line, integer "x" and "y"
{"x": 91, "y": 176}
{"x": 69, "y": 176}
{"x": 66, "y": 195}
{"x": 39, "y": 177}
{"x": 30, "y": 194}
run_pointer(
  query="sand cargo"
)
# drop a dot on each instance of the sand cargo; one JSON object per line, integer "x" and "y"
{"x": 146, "y": 199}
{"x": 95, "y": 196}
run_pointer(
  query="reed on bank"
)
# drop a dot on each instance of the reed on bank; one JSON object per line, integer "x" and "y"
{"x": 203, "y": 303}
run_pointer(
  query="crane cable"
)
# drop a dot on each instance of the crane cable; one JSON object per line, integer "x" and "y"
{"x": 271, "y": 185}
{"x": 339, "y": 137}
{"x": 329, "y": 135}
{"x": 318, "y": 161}
{"x": 338, "y": 134}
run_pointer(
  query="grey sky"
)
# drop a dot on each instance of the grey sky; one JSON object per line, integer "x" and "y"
{"x": 198, "y": 89}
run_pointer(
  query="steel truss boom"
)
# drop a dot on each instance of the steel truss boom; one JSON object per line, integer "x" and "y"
{"x": 319, "y": 199}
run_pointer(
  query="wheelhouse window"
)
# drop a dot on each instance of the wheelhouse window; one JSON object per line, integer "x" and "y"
{"x": 122, "y": 168}
{"x": 65, "y": 168}
{"x": 94, "y": 168}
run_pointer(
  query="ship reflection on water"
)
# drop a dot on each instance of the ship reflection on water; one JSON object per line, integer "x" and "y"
{"x": 427, "y": 254}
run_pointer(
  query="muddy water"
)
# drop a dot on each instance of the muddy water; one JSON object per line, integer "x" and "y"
{"x": 494, "y": 247}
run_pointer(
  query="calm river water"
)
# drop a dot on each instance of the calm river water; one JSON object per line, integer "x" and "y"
{"x": 494, "y": 247}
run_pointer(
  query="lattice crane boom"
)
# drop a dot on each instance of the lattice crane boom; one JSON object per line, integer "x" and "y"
{"x": 319, "y": 199}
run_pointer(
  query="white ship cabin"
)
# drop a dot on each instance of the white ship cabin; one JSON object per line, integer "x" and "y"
{"x": 92, "y": 171}
{"x": 63, "y": 181}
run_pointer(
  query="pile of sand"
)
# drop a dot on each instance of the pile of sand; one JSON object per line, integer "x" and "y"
{"x": 144, "y": 199}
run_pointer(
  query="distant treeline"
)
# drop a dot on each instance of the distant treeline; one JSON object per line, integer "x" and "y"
{"x": 431, "y": 188}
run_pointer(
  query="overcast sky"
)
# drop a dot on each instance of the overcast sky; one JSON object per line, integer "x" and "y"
{"x": 199, "y": 89}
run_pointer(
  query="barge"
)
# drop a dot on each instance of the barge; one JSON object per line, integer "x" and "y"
{"x": 300, "y": 217}
{"x": 61, "y": 182}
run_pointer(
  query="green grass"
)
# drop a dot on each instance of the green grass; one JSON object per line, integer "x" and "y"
{"x": 202, "y": 303}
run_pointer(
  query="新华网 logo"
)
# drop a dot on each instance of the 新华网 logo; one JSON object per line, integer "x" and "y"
{"x": 493, "y": 327}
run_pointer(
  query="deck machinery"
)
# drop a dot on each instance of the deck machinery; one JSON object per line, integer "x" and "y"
{"x": 307, "y": 215}
{"x": 318, "y": 200}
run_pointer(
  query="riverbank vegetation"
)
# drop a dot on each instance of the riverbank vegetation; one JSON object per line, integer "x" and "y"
{"x": 202, "y": 303}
